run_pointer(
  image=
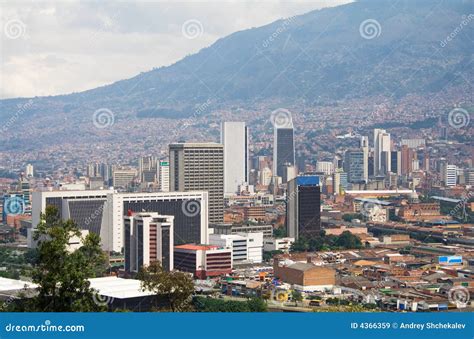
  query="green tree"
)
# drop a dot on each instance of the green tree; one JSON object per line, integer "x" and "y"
{"x": 296, "y": 296}
{"x": 279, "y": 232}
{"x": 176, "y": 287}
{"x": 348, "y": 240}
{"x": 62, "y": 275}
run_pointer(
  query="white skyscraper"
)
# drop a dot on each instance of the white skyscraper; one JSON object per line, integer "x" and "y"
{"x": 450, "y": 175}
{"x": 364, "y": 145}
{"x": 164, "y": 176}
{"x": 382, "y": 148}
{"x": 234, "y": 137}
{"x": 29, "y": 171}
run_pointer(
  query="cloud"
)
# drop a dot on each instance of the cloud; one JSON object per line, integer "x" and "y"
{"x": 72, "y": 46}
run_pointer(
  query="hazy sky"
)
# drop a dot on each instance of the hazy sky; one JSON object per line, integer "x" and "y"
{"x": 64, "y": 46}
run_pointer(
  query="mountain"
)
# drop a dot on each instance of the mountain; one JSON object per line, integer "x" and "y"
{"x": 362, "y": 49}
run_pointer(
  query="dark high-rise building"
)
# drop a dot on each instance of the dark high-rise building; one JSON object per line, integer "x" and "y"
{"x": 283, "y": 148}
{"x": 303, "y": 206}
{"x": 355, "y": 165}
{"x": 396, "y": 162}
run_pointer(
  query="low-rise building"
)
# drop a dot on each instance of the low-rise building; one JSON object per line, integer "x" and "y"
{"x": 203, "y": 260}
{"x": 246, "y": 247}
{"x": 277, "y": 244}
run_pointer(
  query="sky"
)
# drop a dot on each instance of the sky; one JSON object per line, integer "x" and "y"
{"x": 60, "y": 47}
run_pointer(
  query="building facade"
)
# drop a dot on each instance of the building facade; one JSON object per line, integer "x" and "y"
{"x": 148, "y": 238}
{"x": 199, "y": 167}
{"x": 235, "y": 138}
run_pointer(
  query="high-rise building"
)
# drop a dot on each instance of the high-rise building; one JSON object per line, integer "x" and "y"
{"x": 29, "y": 171}
{"x": 339, "y": 182}
{"x": 164, "y": 176}
{"x": 148, "y": 238}
{"x": 283, "y": 148}
{"x": 364, "y": 145}
{"x": 407, "y": 155}
{"x": 199, "y": 167}
{"x": 382, "y": 148}
{"x": 123, "y": 178}
{"x": 303, "y": 206}
{"x": 148, "y": 169}
{"x": 355, "y": 164}
{"x": 265, "y": 176}
{"x": 450, "y": 175}
{"x": 326, "y": 167}
{"x": 396, "y": 162}
{"x": 234, "y": 137}
{"x": 103, "y": 212}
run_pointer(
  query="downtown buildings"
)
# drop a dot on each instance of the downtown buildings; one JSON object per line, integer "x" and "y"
{"x": 283, "y": 148}
{"x": 103, "y": 212}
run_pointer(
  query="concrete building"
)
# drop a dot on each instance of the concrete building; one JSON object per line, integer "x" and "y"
{"x": 339, "y": 182}
{"x": 265, "y": 176}
{"x": 246, "y": 247}
{"x": 355, "y": 165}
{"x": 277, "y": 244}
{"x": 148, "y": 170}
{"x": 164, "y": 176}
{"x": 123, "y": 178}
{"x": 326, "y": 167}
{"x": 305, "y": 277}
{"x": 29, "y": 171}
{"x": 382, "y": 148}
{"x": 266, "y": 229}
{"x": 203, "y": 260}
{"x": 303, "y": 206}
{"x": 234, "y": 137}
{"x": 103, "y": 212}
{"x": 148, "y": 238}
{"x": 199, "y": 167}
{"x": 450, "y": 175}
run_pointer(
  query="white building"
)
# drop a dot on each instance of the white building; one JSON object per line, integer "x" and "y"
{"x": 234, "y": 137}
{"x": 246, "y": 247}
{"x": 450, "y": 175}
{"x": 326, "y": 167}
{"x": 123, "y": 177}
{"x": 29, "y": 172}
{"x": 164, "y": 176}
{"x": 265, "y": 176}
{"x": 103, "y": 211}
{"x": 382, "y": 148}
{"x": 277, "y": 244}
